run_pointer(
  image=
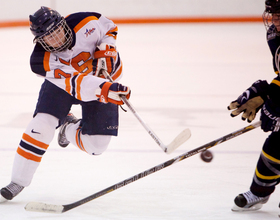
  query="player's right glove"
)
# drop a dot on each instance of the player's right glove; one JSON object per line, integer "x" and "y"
{"x": 250, "y": 101}
{"x": 112, "y": 92}
{"x": 104, "y": 59}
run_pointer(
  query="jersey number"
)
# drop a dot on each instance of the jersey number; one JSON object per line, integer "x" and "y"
{"x": 82, "y": 63}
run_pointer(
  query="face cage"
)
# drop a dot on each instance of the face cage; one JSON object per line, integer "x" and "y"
{"x": 52, "y": 31}
{"x": 271, "y": 20}
{"x": 277, "y": 58}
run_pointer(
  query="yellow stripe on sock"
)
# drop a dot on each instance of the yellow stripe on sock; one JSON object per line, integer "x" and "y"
{"x": 271, "y": 158}
{"x": 266, "y": 177}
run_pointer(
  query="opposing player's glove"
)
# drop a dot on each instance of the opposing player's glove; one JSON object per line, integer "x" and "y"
{"x": 270, "y": 117}
{"x": 249, "y": 109}
{"x": 104, "y": 59}
{"x": 250, "y": 101}
{"x": 112, "y": 92}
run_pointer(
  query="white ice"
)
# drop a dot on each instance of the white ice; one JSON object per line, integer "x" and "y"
{"x": 181, "y": 76}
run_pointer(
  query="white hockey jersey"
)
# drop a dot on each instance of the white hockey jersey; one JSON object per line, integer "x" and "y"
{"x": 71, "y": 70}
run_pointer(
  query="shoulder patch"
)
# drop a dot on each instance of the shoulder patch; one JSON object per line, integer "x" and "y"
{"x": 89, "y": 31}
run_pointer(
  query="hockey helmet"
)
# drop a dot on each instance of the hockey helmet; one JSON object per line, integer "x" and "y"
{"x": 271, "y": 15}
{"x": 46, "y": 21}
{"x": 272, "y": 6}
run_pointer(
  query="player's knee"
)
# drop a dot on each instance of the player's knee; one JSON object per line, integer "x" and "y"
{"x": 42, "y": 127}
{"x": 95, "y": 144}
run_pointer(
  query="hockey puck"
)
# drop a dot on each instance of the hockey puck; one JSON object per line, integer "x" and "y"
{"x": 206, "y": 156}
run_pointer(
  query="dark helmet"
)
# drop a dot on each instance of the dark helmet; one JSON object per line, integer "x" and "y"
{"x": 44, "y": 22}
{"x": 271, "y": 16}
{"x": 272, "y": 6}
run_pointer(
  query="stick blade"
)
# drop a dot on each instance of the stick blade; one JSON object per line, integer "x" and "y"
{"x": 43, "y": 207}
{"x": 178, "y": 141}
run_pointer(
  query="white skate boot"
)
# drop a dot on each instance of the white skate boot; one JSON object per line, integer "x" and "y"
{"x": 248, "y": 202}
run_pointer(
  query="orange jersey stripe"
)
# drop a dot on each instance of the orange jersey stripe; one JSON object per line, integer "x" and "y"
{"x": 28, "y": 156}
{"x": 83, "y": 22}
{"x": 68, "y": 85}
{"x": 33, "y": 141}
{"x": 112, "y": 34}
{"x": 46, "y": 61}
{"x": 117, "y": 73}
{"x": 78, "y": 89}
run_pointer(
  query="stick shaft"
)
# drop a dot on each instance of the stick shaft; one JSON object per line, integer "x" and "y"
{"x": 134, "y": 112}
{"x": 64, "y": 208}
{"x": 164, "y": 165}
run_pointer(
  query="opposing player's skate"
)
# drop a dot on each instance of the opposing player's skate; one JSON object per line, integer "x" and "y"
{"x": 62, "y": 140}
{"x": 10, "y": 191}
{"x": 248, "y": 202}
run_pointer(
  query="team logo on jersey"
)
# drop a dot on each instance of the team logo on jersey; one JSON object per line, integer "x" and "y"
{"x": 89, "y": 31}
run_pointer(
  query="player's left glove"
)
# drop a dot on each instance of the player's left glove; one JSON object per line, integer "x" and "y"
{"x": 112, "y": 92}
{"x": 104, "y": 59}
{"x": 250, "y": 101}
{"x": 270, "y": 117}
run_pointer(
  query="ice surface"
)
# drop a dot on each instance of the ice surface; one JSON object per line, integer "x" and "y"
{"x": 181, "y": 76}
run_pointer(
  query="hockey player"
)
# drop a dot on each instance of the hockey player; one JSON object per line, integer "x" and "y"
{"x": 70, "y": 53}
{"x": 264, "y": 96}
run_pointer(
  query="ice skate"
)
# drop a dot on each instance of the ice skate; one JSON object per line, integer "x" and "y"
{"x": 10, "y": 191}
{"x": 248, "y": 202}
{"x": 62, "y": 140}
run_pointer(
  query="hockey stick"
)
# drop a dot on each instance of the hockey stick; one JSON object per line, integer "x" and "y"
{"x": 51, "y": 208}
{"x": 179, "y": 140}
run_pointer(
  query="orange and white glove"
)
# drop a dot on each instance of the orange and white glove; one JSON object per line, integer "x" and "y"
{"x": 112, "y": 92}
{"x": 104, "y": 59}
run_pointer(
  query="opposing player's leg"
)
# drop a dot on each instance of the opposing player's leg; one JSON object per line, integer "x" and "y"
{"x": 52, "y": 106}
{"x": 93, "y": 133}
{"x": 266, "y": 177}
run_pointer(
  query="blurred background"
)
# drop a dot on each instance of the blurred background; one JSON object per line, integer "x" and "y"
{"x": 15, "y": 10}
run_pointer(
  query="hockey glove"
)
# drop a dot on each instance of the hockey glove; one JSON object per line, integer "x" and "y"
{"x": 104, "y": 59}
{"x": 250, "y": 101}
{"x": 270, "y": 117}
{"x": 112, "y": 92}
